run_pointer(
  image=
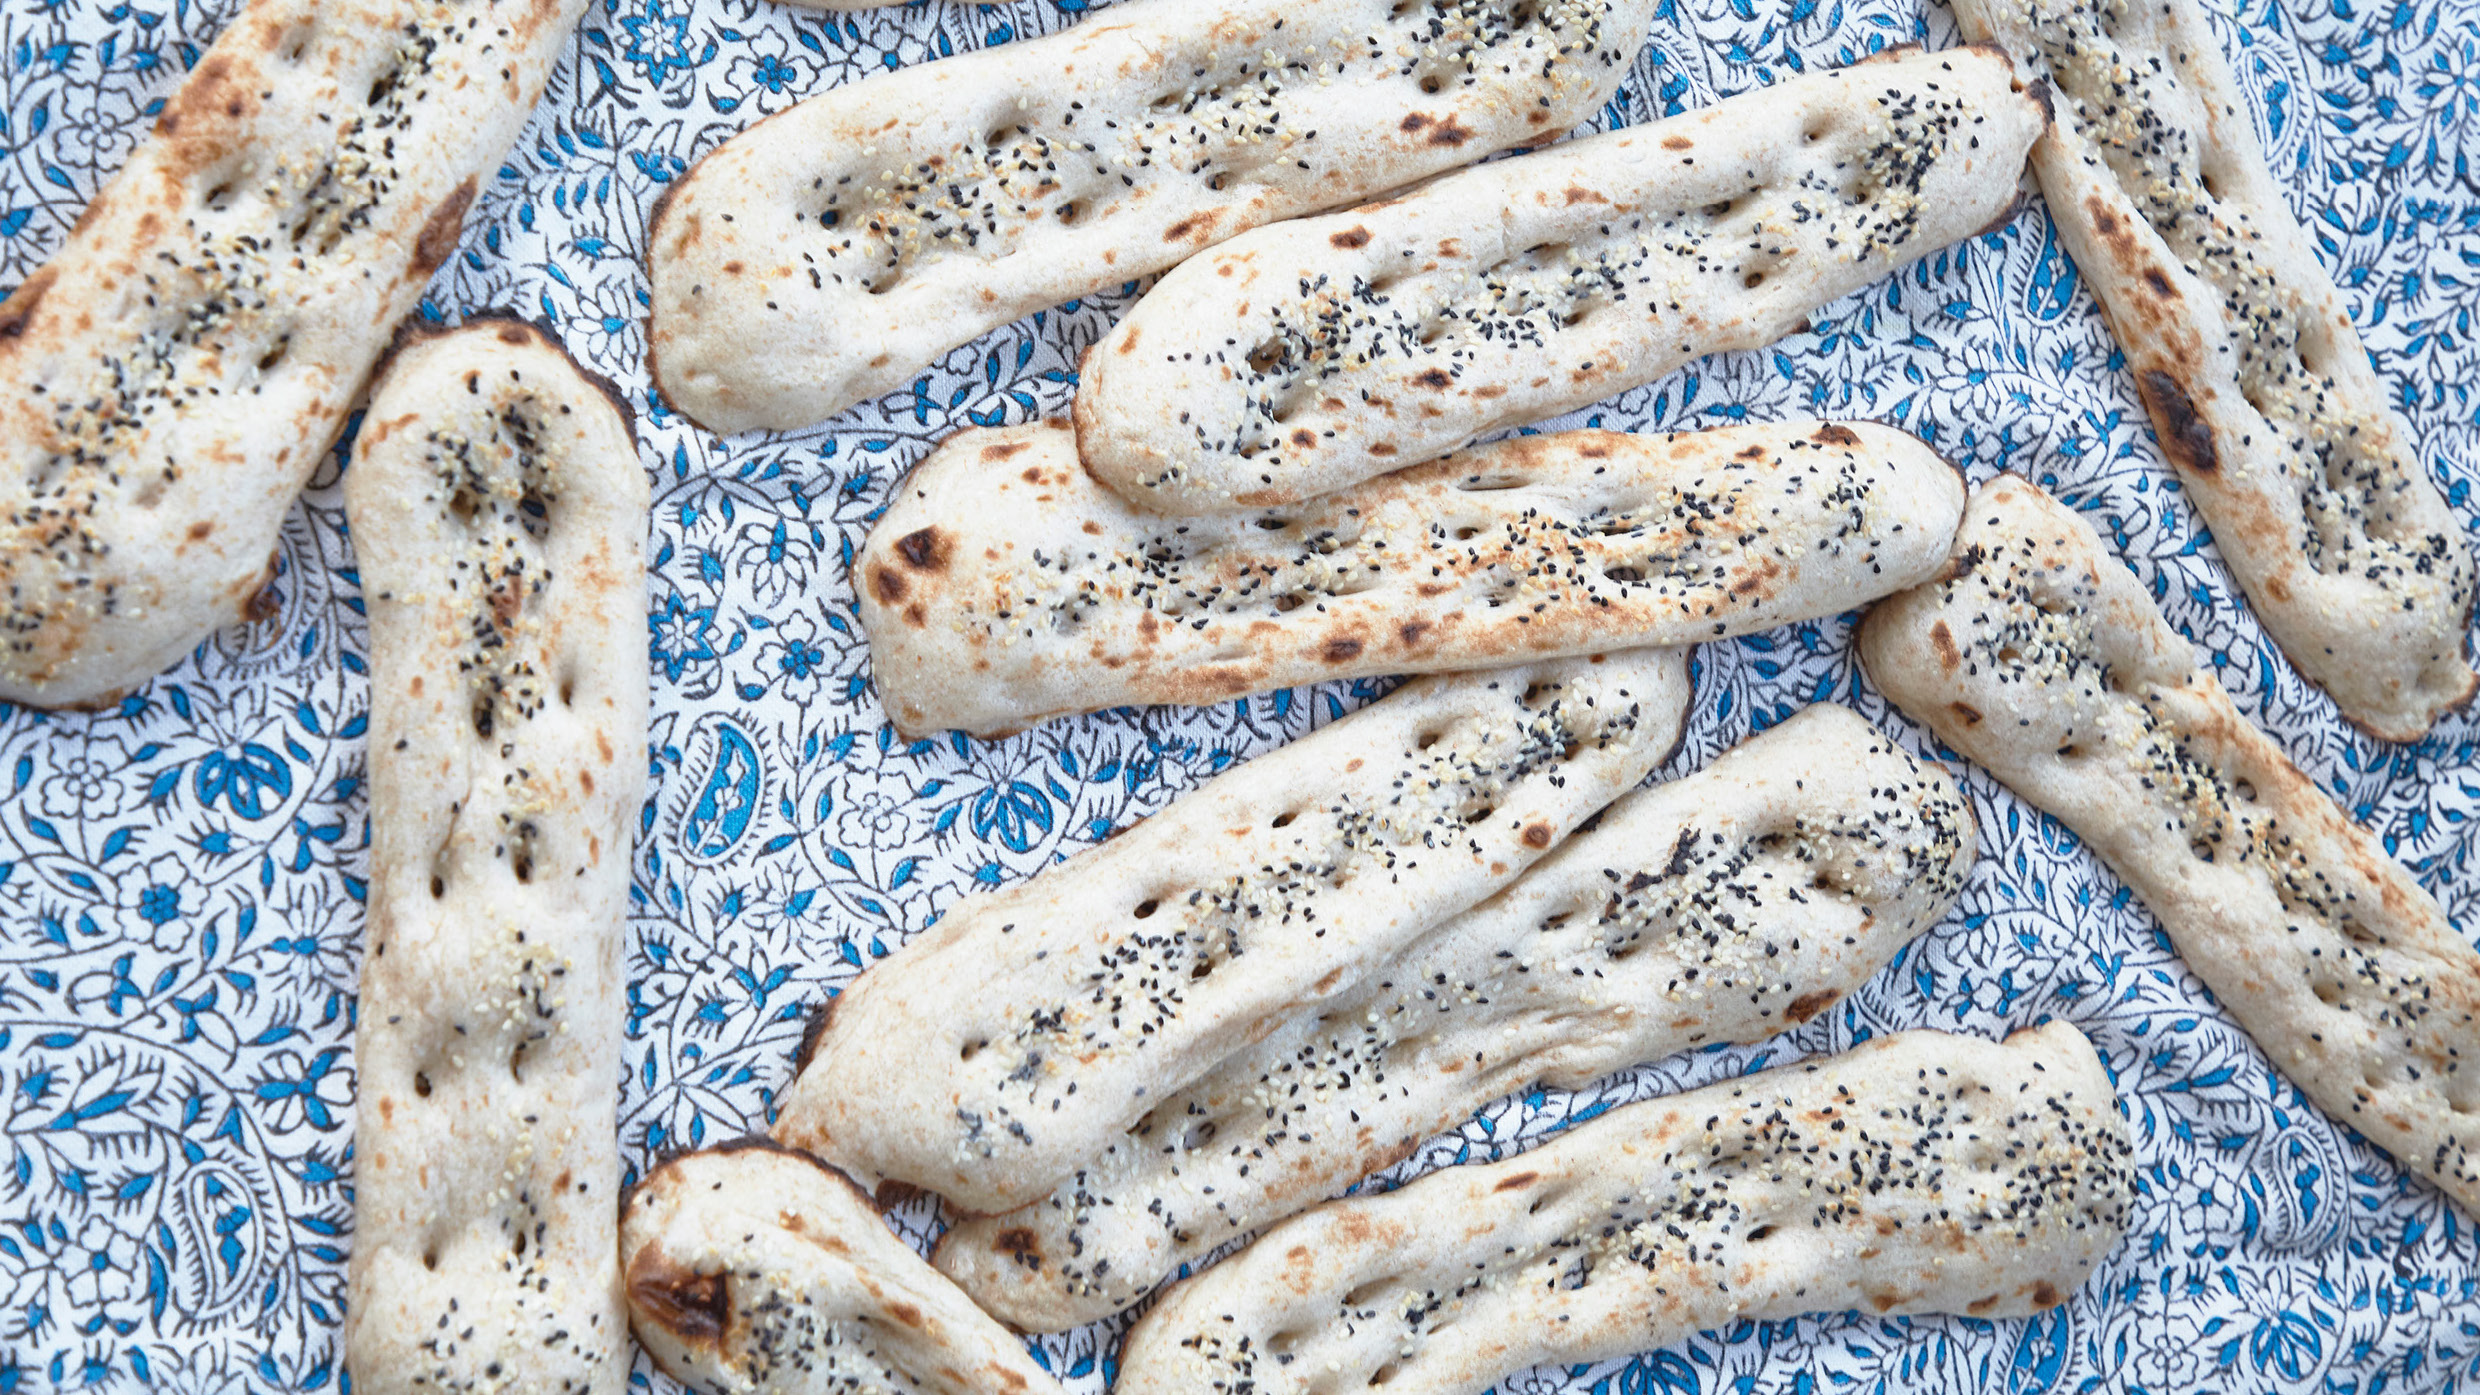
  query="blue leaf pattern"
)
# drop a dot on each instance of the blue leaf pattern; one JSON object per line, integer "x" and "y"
{"x": 181, "y": 875}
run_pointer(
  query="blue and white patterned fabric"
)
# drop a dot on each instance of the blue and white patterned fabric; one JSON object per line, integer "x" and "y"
{"x": 181, "y": 878}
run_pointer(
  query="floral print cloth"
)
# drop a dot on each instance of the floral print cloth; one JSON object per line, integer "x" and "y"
{"x": 181, "y": 877}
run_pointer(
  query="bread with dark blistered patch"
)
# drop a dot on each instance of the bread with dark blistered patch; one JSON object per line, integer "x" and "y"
{"x": 1005, "y": 585}
{"x": 499, "y": 518}
{"x": 1000, "y": 1049}
{"x": 2259, "y": 389}
{"x": 2041, "y": 657}
{"x": 833, "y": 251}
{"x": 1919, "y": 1173}
{"x": 757, "y": 1271}
{"x": 1722, "y": 907}
{"x": 173, "y": 374}
{"x": 1298, "y": 359}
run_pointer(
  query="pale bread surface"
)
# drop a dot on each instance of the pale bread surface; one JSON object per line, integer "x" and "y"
{"x": 1301, "y": 358}
{"x": 2043, "y": 659}
{"x": 1005, "y": 585}
{"x": 173, "y": 374}
{"x": 1918, "y": 1173}
{"x": 831, "y": 252}
{"x": 1007, "y": 1043}
{"x": 1722, "y": 907}
{"x": 2258, "y": 387}
{"x": 499, "y": 520}
{"x": 758, "y": 1271}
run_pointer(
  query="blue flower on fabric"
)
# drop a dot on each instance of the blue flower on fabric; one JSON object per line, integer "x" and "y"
{"x": 772, "y": 72}
{"x": 794, "y": 657}
{"x": 681, "y": 637}
{"x": 776, "y": 563}
{"x": 2286, "y": 1342}
{"x": 89, "y": 781}
{"x": 1016, "y": 814}
{"x": 2449, "y": 86}
{"x": 251, "y": 781}
{"x": 152, "y": 895}
{"x": 658, "y": 42}
{"x": 317, "y": 1092}
{"x": 158, "y": 904}
{"x": 102, "y": 1266}
{"x": 800, "y": 659}
{"x": 874, "y": 819}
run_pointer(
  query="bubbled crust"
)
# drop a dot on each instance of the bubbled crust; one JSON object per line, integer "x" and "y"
{"x": 752, "y": 1268}
{"x": 1721, "y": 907}
{"x": 2041, "y": 657}
{"x": 1300, "y": 358}
{"x": 829, "y": 253}
{"x": 172, "y": 375}
{"x": 1919, "y": 1173}
{"x": 2258, "y": 387}
{"x": 1008, "y": 1043}
{"x": 498, "y": 517}
{"x": 1005, "y": 585}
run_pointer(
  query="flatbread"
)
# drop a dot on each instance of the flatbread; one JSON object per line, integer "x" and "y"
{"x": 1005, "y": 585}
{"x": 1722, "y": 907}
{"x": 2259, "y": 390}
{"x": 2043, "y": 659}
{"x": 1920, "y": 1173}
{"x": 1301, "y": 358}
{"x": 993, "y": 1056}
{"x": 173, "y": 374}
{"x": 755, "y": 1269}
{"x": 499, "y": 518}
{"x": 831, "y": 252}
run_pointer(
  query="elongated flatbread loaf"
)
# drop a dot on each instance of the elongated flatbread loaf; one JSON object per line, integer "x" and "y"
{"x": 171, "y": 377}
{"x": 758, "y": 1271}
{"x": 499, "y": 517}
{"x": 1304, "y": 357}
{"x": 2042, "y": 658}
{"x": 832, "y": 251}
{"x": 1005, "y": 585}
{"x": 1721, "y": 907}
{"x": 1001, "y": 1049}
{"x": 2258, "y": 387}
{"x": 1920, "y": 1173}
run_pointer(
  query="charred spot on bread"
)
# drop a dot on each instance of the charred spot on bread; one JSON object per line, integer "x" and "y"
{"x": 821, "y": 1017}
{"x": 924, "y": 550}
{"x": 1808, "y": 1005}
{"x": 22, "y": 303}
{"x": 888, "y": 585}
{"x": 691, "y": 1306}
{"x": 2185, "y": 436}
{"x": 445, "y": 229}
